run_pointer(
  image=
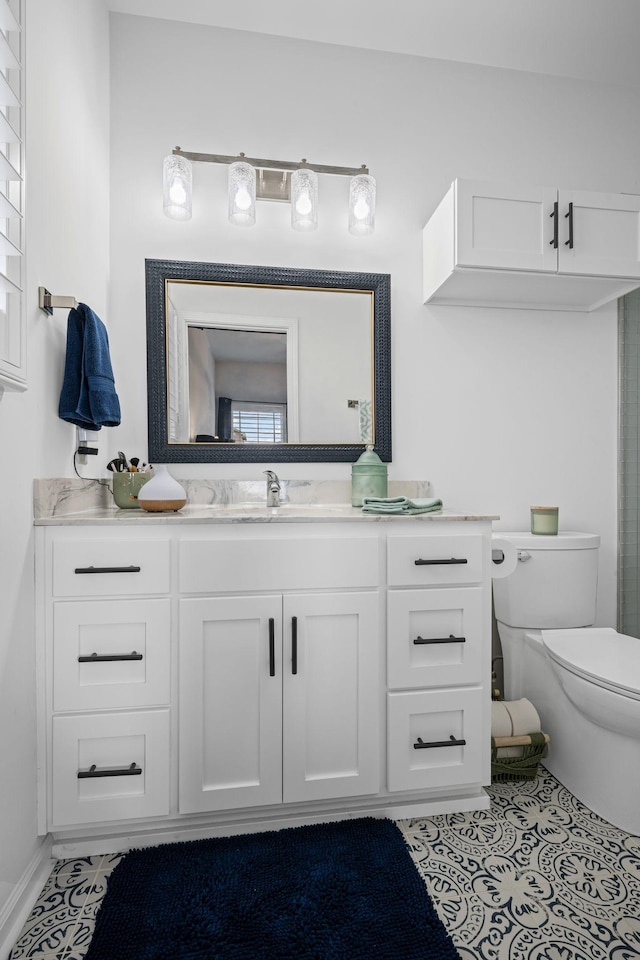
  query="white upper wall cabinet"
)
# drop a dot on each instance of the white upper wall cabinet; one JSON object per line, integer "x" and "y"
{"x": 499, "y": 245}
{"x": 12, "y": 326}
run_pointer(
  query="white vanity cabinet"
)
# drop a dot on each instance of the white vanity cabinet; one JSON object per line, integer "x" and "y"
{"x": 205, "y": 675}
{"x": 534, "y": 247}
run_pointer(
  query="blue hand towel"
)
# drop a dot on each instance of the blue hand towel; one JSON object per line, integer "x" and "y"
{"x": 401, "y": 506}
{"x": 88, "y": 397}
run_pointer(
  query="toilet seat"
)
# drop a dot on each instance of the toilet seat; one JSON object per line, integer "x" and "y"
{"x": 600, "y": 655}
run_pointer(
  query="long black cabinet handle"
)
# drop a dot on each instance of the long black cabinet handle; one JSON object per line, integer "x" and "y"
{"x": 129, "y": 569}
{"x": 451, "y": 742}
{"x": 449, "y": 639}
{"x": 294, "y": 645}
{"x": 554, "y": 242}
{"x": 105, "y": 657}
{"x": 272, "y": 647}
{"x": 435, "y": 563}
{"x": 569, "y": 214}
{"x": 132, "y": 771}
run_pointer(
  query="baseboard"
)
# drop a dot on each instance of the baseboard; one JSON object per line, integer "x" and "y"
{"x": 25, "y": 893}
{"x": 254, "y": 821}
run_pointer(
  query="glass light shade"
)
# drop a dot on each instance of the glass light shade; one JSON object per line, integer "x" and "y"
{"x": 177, "y": 183}
{"x": 242, "y": 194}
{"x": 304, "y": 199}
{"x": 362, "y": 204}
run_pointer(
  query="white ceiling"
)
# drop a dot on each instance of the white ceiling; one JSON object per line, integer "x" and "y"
{"x": 588, "y": 39}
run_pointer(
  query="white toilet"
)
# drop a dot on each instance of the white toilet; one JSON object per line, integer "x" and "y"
{"x": 583, "y": 680}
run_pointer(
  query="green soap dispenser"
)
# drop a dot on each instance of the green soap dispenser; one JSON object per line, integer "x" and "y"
{"x": 368, "y": 477}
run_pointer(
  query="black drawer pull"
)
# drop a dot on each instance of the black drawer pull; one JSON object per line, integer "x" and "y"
{"x": 294, "y": 645}
{"x": 451, "y": 742}
{"x": 272, "y": 647}
{"x": 107, "y": 657}
{"x": 433, "y": 563}
{"x": 449, "y": 639}
{"x": 93, "y": 772}
{"x": 129, "y": 569}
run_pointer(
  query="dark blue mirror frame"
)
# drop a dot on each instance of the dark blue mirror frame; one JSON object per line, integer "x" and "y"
{"x": 159, "y": 272}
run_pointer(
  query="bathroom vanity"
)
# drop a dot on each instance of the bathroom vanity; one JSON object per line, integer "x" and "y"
{"x": 233, "y": 668}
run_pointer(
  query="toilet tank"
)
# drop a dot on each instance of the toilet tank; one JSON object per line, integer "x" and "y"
{"x": 554, "y": 583}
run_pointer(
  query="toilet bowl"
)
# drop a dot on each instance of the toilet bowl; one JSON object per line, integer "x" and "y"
{"x": 583, "y": 680}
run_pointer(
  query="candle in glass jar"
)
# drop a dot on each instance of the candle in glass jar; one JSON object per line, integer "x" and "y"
{"x": 544, "y": 520}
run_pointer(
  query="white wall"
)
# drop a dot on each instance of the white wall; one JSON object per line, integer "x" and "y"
{"x": 498, "y": 408}
{"x": 67, "y": 227}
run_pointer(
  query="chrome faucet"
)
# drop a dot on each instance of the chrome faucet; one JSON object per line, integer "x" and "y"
{"x": 273, "y": 489}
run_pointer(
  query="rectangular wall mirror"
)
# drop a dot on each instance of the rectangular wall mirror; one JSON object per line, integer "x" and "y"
{"x": 251, "y": 364}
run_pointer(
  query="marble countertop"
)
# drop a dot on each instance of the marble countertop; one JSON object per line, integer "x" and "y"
{"x": 78, "y": 502}
{"x": 246, "y": 513}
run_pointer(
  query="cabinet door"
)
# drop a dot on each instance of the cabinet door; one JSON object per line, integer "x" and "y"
{"x": 505, "y": 227}
{"x": 331, "y": 713}
{"x": 599, "y": 234}
{"x": 230, "y": 703}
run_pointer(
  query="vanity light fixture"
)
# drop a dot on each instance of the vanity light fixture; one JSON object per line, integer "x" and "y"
{"x": 251, "y": 179}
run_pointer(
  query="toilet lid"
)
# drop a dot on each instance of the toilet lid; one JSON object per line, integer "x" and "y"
{"x": 599, "y": 654}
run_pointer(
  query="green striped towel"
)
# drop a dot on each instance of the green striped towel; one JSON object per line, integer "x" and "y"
{"x": 400, "y": 505}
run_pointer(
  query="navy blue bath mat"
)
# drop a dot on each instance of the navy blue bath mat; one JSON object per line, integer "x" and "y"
{"x": 337, "y": 891}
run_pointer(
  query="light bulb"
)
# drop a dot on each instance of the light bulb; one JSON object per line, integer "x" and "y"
{"x": 177, "y": 180}
{"x": 177, "y": 193}
{"x": 361, "y": 209}
{"x": 303, "y": 204}
{"x": 243, "y": 199}
{"x": 362, "y": 204}
{"x": 304, "y": 199}
{"x": 242, "y": 194}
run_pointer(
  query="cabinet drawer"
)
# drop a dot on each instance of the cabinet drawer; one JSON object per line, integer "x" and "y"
{"x": 244, "y": 565}
{"x": 423, "y": 561}
{"x": 109, "y": 654}
{"x": 435, "y": 739}
{"x": 84, "y": 568}
{"x": 113, "y": 789}
{"x": 435, "y": 637}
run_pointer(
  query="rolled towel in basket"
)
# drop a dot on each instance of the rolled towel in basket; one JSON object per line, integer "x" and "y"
{"x": 501, "y": 725}
{"x": 513, "y": 718}
{"x": 524, "y": 717}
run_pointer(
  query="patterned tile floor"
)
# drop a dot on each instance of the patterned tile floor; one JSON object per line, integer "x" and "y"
{"x": 536, "y": 877}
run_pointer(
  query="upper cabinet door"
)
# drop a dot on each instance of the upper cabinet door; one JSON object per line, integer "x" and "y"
{"x": 599, "y": 234}
{"x": 505, "y": 227}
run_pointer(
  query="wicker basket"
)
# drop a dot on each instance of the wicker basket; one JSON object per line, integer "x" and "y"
{"x": 524, "y": 767}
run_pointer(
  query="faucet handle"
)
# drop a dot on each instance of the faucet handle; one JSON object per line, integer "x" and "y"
{"x": 271, "y": 476}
